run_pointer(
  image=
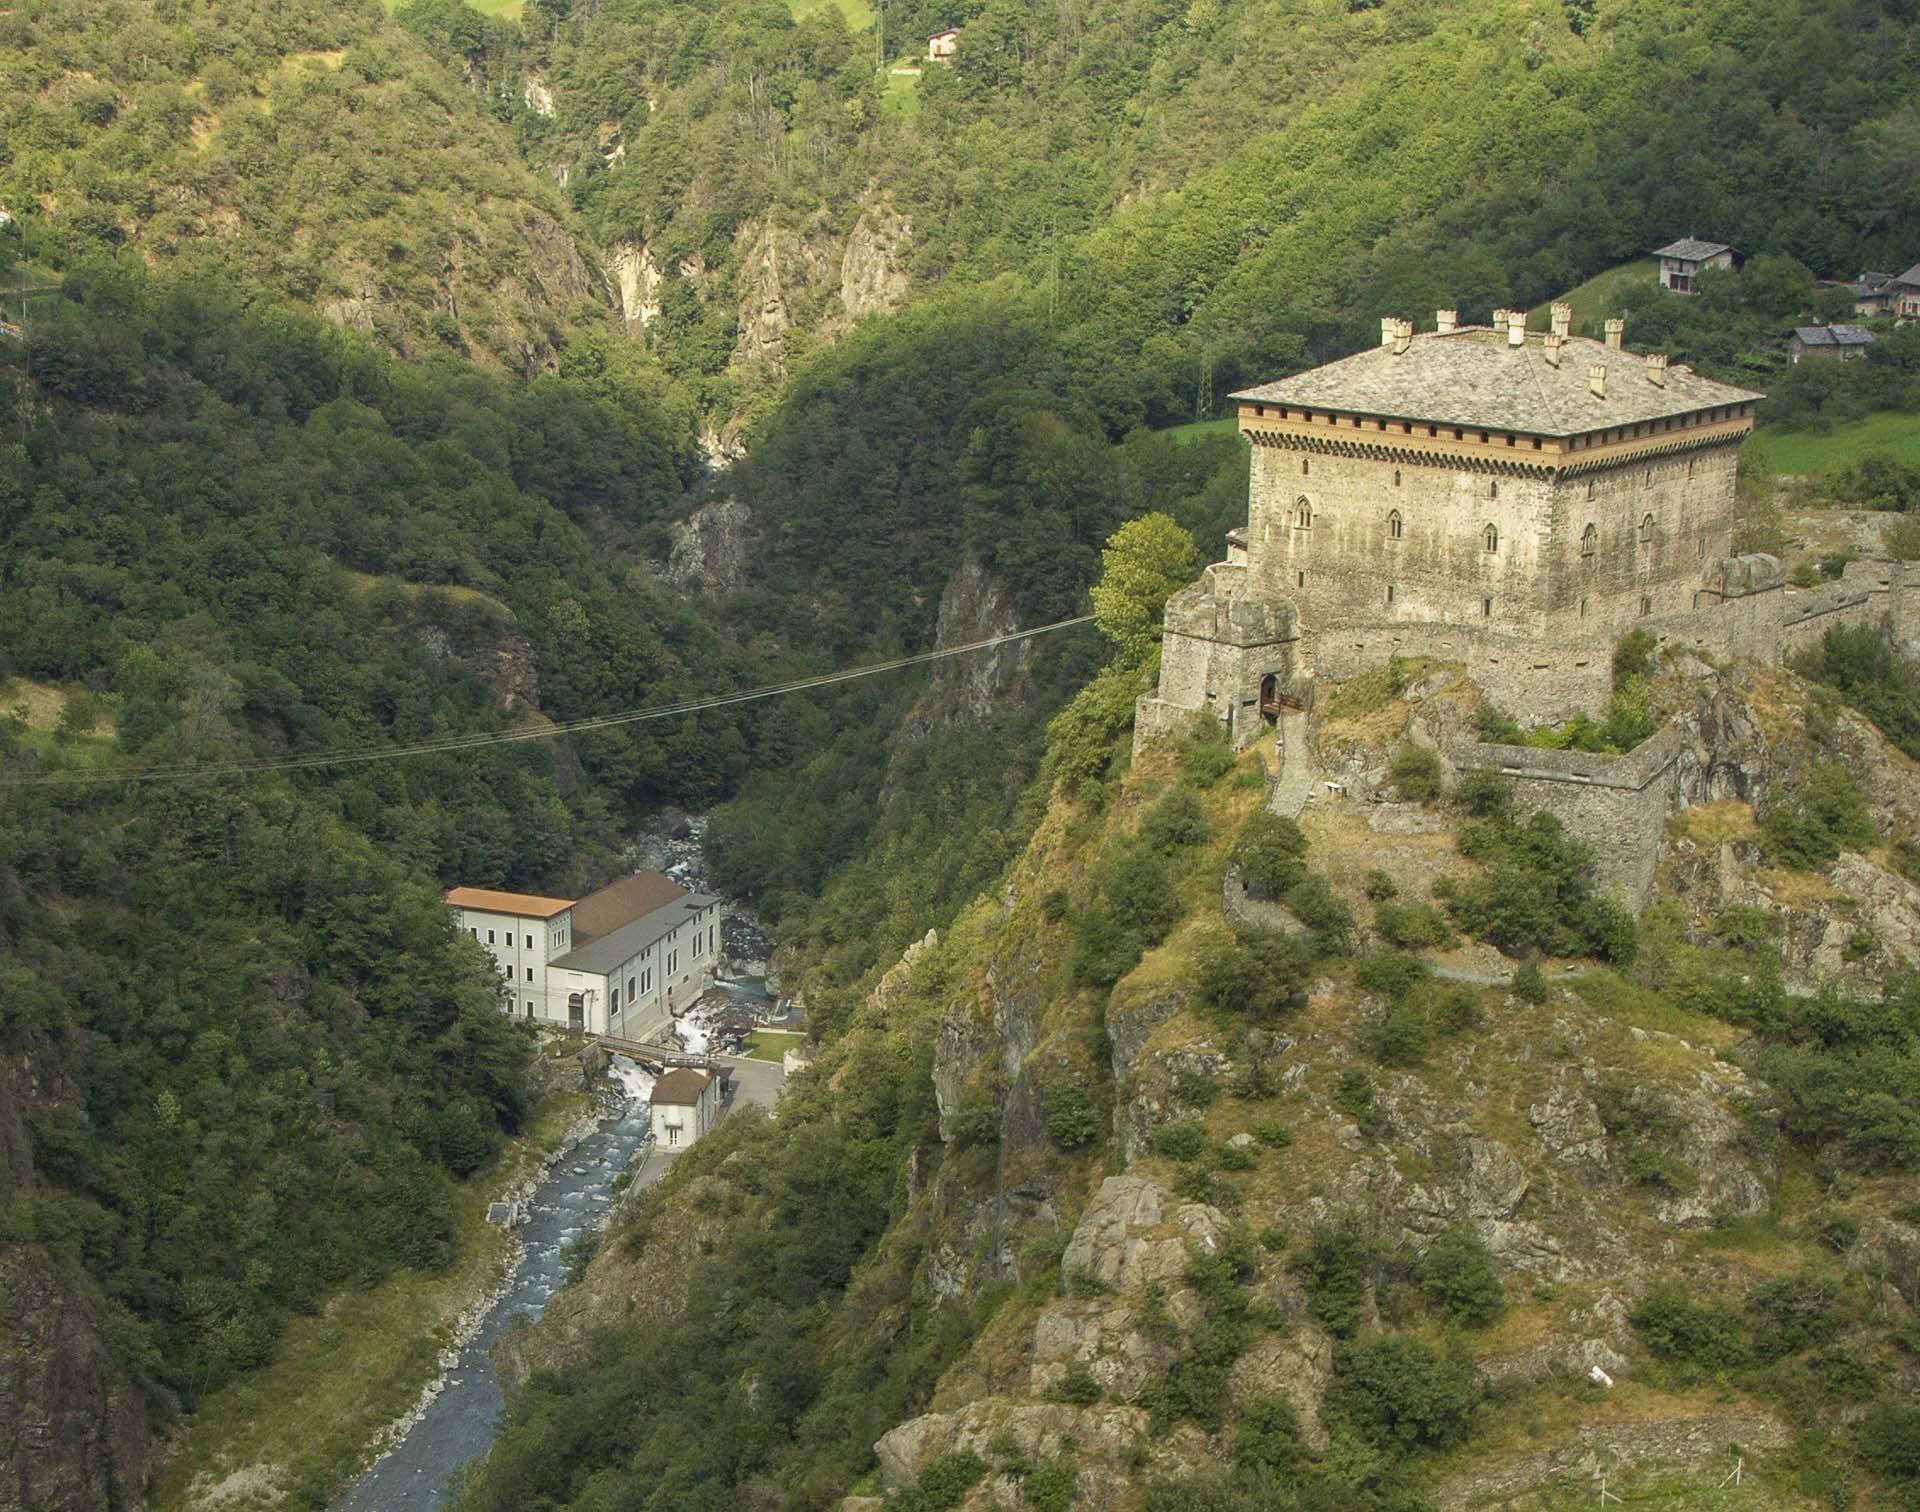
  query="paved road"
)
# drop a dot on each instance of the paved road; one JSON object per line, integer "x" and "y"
{"x": 754, "y": 1081}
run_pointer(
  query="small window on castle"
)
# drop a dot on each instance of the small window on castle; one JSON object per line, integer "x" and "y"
{"x": 1300, "y": 580}
{"x": 1491, "y": 535}
{"x": 1649, "y": 478}
{"x": 1589, "y": 540}
{"x": 1302, "y": 515}
{"x": 1486, "y": 608}
{"x": 1646, "y": 607}
{"x": 1389, "y": 593}
{"x": 1306, "y": 467}
{"x": 1689, "y": 467}
{"x": 1589, "y": 490}
{"x": 1493, "y": 492}
{"x": 1583, "y": 608}
{"x": 1646, "y": 530}
{"x": 1396, "y": 527}
{"x": 1396, "y": 477}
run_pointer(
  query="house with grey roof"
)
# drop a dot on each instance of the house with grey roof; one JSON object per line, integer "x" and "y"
{"x": 1681, "y": 262}
{"x": 621, "y": 961}
{"x": 1839, "y": 343}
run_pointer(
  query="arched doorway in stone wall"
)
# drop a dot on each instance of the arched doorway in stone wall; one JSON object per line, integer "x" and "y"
{"x": 1270, "y": 697}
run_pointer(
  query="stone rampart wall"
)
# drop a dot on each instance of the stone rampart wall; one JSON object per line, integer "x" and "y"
{"x": 1616, "y": 804}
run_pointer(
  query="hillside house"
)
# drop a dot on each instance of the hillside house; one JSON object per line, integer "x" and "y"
{"x": 1681, "y": 262}
{"x": 1833, "y": 343}
{"x": 686, "y": 1104}
{"x": 621, "y": 961}
{"x": 942, "y": 45}
{"x": 1873, "y": 293}
{"x": 1906, "y": 295}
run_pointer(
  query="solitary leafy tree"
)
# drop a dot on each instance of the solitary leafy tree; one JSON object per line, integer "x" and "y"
{"x": 1145, "y": 562}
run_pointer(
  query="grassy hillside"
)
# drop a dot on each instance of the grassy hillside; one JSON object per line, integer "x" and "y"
{"x": 1814, "y": 453}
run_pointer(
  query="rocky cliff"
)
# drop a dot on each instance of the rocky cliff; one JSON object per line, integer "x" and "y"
{"x": 73, "y": 1425}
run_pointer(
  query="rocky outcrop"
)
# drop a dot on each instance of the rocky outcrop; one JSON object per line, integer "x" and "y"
{"x": 779, "y": 270}
{"x": 1098, "y": 1438}
{"x": 636, "y": 280}
{"x": 710, "y": 550}
{"x": 73, "y": 1426}
{"x": 873, "y": 274}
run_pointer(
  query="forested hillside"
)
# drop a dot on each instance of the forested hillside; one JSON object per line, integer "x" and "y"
{"x": 374, "y": 385}
{"x": 303, "y": 148}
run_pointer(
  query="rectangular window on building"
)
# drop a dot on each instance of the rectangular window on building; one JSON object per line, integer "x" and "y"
{"x": 529, "y": 973}
{"x": 1486, "y": 608}
{"x": 489, "y": 936}
{"x": 631, "y": 994}
{"x": 529, "y": 942}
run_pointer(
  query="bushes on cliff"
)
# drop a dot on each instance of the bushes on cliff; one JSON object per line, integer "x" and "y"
{"x": 1270, "y": 854}
{"x": 1536, "y": 892}
{"x": 1260, "y": 973}
{"x": 1415, "y": 774}
{"x": 1820, "y": 817}
{"x": 1402, "y": 1393}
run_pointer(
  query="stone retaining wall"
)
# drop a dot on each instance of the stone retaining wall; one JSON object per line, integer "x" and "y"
{"x": 1616, "y": 804}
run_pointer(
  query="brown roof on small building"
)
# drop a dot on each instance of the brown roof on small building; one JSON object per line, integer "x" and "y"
{"x": 522, "y": 905}
{"x": 1472, "y": 377}
{"x": 680, "y": 1087}
{"x": 620, "y": 903}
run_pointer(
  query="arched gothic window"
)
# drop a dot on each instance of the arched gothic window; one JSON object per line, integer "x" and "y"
{"x": 1302, "y": 515}
{"x": 1491, "y": 535}
{"x": 1395, "y": 526}
{"x": 1589, "y": 540}
{"x": 1646, "y": 531}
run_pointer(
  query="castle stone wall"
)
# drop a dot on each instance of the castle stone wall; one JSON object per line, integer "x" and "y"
{"x": 1618, "y": 805}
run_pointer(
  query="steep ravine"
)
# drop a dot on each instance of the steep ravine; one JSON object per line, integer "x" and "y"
{"x": 1598, "y": 1146}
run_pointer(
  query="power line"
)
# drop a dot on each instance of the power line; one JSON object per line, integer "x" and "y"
{"x": 450, "y": 743}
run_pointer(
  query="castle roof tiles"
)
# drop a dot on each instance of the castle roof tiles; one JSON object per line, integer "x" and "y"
{"x": 1472, "y": 377}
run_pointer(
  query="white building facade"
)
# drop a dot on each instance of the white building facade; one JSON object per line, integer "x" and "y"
{"x": 686, "y": 1104}
{"x": 621, "y": 962}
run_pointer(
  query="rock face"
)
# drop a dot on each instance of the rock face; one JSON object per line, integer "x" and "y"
{"x": 73, "y": 1427}
{"x": 636, "y": 279}
{"x": 779, "y": 269}
{"x": 710, "y": 549}
{"x": 873, "y": 275}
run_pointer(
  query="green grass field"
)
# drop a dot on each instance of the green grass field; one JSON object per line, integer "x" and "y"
{"x": 1199, "y": 430}
{"x": 1810, "y": 453}
{"x": 499, "y": 10}
{"x": 858, "y": 14}
{"x": 1597, "y": 298}
{"x": 762, "y": 1046}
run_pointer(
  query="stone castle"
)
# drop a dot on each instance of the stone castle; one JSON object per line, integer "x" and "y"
{"x": 1507, "y": 500}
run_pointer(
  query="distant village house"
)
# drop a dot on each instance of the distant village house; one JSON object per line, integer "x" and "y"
{"x": 942, "y": 45}
{"x": 1897, "y": 295}
{"x": 1841, "y": 343}
{"x": 620, "y": 962}
{"x": 1682, "y": 261}
{"x": 686, "y": 1104}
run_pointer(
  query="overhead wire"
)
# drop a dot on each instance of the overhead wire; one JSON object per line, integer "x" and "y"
{"x": 546, "y": 731}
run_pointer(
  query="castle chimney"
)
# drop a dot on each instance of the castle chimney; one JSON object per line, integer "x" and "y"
{"x": 1563, "y": 321}
{"x": 1500, "y": 321}
{"x": 1597, "y": 380}
{"x": 1554, "y": 338}
{"x": 1657, "y": 369}
{"x": 1446, "y": 321}
{"x": 1402, "y": 337}
{"x": 1516, "y": 328}
{"x": 1616, "y": 332}
{"x": 1387, "y": 325}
